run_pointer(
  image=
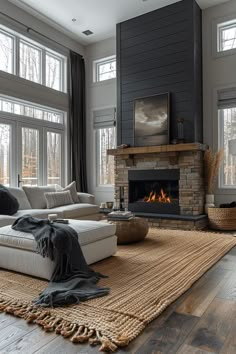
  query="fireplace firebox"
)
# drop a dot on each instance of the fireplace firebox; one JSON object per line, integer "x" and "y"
{"x": 154, "y": 191}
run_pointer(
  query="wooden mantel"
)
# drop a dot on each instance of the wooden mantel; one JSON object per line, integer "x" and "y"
{"x": 157, "y": 149}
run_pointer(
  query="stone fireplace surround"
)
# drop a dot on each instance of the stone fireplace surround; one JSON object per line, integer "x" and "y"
{"x": 188, "y": 158}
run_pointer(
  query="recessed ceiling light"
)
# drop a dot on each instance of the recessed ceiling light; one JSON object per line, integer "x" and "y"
{"x": 87, "y": 32}
{"x": 73, "y": 20}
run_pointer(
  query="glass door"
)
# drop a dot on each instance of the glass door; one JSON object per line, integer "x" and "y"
{"x": 5, "y": 153}
{"x": 29, "y": 162}
{"x": 30, "y": 154}
{"x": 54, "y": 157}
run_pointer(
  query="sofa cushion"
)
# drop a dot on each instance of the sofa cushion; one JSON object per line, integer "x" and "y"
{"x": 36, "y": 195}
{"x": 37, "y": 213}
{"x": 74, "y": 211}
{"x": 6, "y": 220}
{"x": 72, "y": 188}
{"x": 55, "y": 199}
{"x": 88, "y": 232}
{"x": 20, "y": 195}
{"x": 9, "y": 204}
{"x": 86, "y": 198}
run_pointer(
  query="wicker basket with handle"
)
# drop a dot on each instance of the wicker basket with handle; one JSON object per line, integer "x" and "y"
{"x": 222, "y": 218}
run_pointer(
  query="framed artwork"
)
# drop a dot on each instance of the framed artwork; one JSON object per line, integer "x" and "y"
{"x": 151, "y": 120}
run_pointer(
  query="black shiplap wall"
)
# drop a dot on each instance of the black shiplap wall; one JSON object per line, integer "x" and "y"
{"x": 161, "y": 52}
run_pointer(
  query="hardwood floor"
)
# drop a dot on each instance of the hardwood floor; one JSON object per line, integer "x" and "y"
{"x": 201, "y": 321}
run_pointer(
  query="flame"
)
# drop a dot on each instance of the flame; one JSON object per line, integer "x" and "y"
{"x": 154, "y": 197}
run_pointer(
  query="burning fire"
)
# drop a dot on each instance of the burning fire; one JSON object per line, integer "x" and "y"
{"x": 154, "y": 197}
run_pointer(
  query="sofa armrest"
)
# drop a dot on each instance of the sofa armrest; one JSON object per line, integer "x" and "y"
{"x": 86, "y": 198}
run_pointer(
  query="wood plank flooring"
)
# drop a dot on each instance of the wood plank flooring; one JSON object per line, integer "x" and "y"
{"x": 201, "y": 321}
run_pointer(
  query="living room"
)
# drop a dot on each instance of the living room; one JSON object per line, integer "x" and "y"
{"x": 117, "y": 133}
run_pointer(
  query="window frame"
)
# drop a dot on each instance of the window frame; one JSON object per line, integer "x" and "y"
{"x": 218, "y": 23}
{"x": 99, "y": 62}
{"x": 6, "y": 33}
{"x": 97, "y": 153}
{"x": 18, "y": 37}
{"x": 221, "y": 184}
{"x": 220, "y": 28}
{"x": 16, "y": 122}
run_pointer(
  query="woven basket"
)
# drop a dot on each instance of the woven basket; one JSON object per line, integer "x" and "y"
{"x": 222, "y": 218}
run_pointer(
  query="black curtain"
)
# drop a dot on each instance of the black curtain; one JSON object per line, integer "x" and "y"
{"x": 78, "y": 122}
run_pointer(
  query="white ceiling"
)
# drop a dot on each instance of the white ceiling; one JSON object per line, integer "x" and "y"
{"x": 100, "y": 16}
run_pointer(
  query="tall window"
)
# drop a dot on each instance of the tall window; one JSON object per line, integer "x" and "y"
{"x": 5, "y": 140}
{"x": 35, "y": 62}
{"x": 39, "y": 131}
{"x": 227, "y": 136}
{"x": 105, "y": 69}
{"x": 105, "y": 138}
{"x": 226, "y": 33}
{"x": 6, "y": 52}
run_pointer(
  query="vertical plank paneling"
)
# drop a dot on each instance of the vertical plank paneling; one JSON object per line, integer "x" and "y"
{"x": 161, "y": 52}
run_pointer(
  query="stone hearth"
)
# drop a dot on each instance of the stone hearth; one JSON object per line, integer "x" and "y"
{"x": 188, "y": 158}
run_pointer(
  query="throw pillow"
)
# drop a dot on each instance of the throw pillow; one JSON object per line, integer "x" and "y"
{"x": 35, "y": 195}
{"x": 72, "y": 188}
{"x": 8, "y": 203}
{"x": 55, "y": 199}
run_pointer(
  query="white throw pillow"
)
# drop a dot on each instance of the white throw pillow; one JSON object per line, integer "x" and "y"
{"x": 72, "y": 188}
{"x": 35, "y": 195}
{"x": 55, "y": 199}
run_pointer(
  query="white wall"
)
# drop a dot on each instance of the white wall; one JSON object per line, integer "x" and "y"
{"x": 11, "y": 85}
{"x": 218, "y": 72}
{"x": 28, "y": 20}
{"x": 99, "y": 95}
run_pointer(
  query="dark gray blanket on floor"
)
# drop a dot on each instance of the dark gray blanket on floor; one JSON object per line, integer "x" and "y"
{"x": 72, "y": 280}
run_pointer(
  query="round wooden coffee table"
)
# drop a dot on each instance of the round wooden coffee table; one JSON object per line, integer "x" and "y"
{"x": 129, "y": 231}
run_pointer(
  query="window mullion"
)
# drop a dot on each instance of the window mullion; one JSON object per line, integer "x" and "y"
{"x": 17, "y": 56}
{"x": 43, "y": 67}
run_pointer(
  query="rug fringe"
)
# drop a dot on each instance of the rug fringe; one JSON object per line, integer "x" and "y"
{"x": 51, "y": 323}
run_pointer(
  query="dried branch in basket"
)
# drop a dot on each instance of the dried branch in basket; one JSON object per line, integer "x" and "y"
{"x": 212, "y": 165}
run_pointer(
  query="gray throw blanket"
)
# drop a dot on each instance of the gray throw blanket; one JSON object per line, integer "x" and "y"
{"x": 72, "y": 280}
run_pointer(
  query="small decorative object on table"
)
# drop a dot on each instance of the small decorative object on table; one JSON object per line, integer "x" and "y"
{"x": 52, "y": 217}
{"x": 212, "y": 164}
{"x": 61, "y": 221}
{"x": 109, "y": 205}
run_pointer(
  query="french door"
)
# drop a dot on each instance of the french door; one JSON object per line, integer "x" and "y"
{"x": 30, "y": 154}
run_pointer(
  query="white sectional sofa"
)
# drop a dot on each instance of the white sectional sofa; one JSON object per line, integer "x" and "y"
{"x": 18, "y": 249}
{"x": 33, "y": 203}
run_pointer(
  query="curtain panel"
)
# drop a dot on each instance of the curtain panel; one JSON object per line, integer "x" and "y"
{"x": 78, "y": 121}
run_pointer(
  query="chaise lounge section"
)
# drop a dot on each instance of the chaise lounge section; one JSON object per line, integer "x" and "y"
{"x": 18, "y": 249}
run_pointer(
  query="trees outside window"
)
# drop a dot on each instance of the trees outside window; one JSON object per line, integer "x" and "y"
{"x": 6, "y": 52}
{"x": 32, "y": 61}
{"x": 54, "y": 148}
{"x": 5, "y": 132}
{"x": 227, "y": 125}
{"x": 106, "y": 139}
{"x": 226, "y": 36}
{"x": 105, "y": 69}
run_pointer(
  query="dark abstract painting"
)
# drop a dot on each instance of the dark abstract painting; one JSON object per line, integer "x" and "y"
{"x": 151, "y": 120}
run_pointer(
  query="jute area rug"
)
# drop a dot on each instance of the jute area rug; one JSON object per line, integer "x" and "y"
{"x": 144, "y": 279}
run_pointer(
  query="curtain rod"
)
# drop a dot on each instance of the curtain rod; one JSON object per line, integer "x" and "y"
{"x": 29, "y": 29}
